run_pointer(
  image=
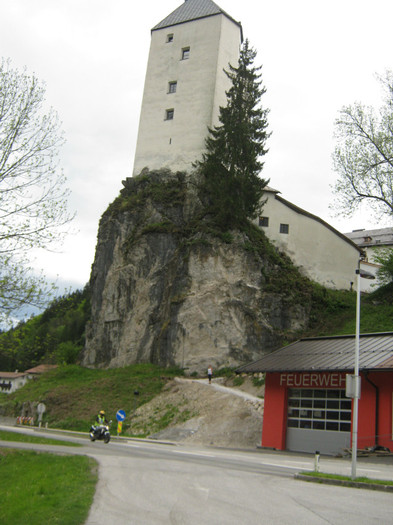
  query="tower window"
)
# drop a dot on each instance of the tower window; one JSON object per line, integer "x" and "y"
{"x": 172, "y": 86}
{"x": 169, "y": 113}
{"x": 264, "y": 221}
{"x": 169, "y": 38}
{"x": 284, "y": 228}
{"x": 185, "y": 53}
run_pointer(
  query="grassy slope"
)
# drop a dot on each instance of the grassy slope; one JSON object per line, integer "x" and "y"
{"x": 73, "y": 395}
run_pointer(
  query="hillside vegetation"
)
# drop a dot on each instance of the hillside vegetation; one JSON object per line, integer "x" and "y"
{"x": 73, "y": 395}
{"x": 55, "y": 336}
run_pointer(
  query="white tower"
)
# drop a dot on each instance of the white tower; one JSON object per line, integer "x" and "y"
{"x": 185, "y": 84}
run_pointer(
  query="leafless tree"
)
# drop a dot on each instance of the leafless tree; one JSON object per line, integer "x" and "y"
{"x": 33, "y": 197}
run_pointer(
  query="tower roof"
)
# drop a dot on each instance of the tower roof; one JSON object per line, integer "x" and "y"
{"x": 193, "y": 10}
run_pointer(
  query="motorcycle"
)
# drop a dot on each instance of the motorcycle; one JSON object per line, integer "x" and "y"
{"x": 100, "y": 432}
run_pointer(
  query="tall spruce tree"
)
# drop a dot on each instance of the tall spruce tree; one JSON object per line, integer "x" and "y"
{"x": 231, "y": 165}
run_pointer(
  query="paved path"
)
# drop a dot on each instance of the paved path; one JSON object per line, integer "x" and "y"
{"x": 217, "y": 386}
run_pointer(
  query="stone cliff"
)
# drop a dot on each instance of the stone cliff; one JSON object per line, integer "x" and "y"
{"x": 169, "y": 289}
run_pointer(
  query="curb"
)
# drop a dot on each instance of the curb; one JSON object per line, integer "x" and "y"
{"x": 345, "y": 483}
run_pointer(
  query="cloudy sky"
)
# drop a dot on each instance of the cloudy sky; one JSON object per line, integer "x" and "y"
{"x": 316, "y": 56}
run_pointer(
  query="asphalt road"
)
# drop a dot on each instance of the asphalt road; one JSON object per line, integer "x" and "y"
{"x": 151, "y": 483}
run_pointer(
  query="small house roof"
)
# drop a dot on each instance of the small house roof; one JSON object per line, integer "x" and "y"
{"x": 328, "y": 353}
{"x": 11, "y": 375}
{"x": 40, "y": 369}
{"x": 193, "y": 10}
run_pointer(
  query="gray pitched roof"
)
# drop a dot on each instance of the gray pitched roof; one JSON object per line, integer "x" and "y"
{"x": 328, "y": 353}
{"x": 378, "y": 237}
{"x": 192, "y": 10}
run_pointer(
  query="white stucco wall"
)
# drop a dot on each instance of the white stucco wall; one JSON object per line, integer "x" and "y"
{"x": 17, "y": 381}
{"x": 320, "y": 253}
{"x": 201, "y": 83}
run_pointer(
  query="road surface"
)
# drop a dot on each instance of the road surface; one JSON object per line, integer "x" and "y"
{"x": 146, "y": 483}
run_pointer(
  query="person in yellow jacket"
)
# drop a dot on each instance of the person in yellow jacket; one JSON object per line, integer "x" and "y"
{"x": 101, "y": 419}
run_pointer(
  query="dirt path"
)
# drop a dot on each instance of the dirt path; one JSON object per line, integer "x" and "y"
{"x": 204, "y": 414}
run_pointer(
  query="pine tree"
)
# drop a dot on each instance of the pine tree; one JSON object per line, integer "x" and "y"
{"x": 231, "y": 165}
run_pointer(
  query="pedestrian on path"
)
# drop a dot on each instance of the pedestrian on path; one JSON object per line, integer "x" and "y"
{"x": 209, "y": 374}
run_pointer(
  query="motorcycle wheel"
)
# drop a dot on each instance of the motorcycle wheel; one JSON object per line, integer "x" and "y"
{"x": 107, "y": 438}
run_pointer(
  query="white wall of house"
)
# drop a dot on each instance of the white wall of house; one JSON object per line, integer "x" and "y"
{"x": 321, "y": 252}
{"x": 176, "y": 143}
{"x": 17, "y": 380}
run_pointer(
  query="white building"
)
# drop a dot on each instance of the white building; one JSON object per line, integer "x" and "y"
{"x": 322, "y": 253}
{"x": 372, "y": 243}
{"x": 184, "y": 87}
{"x": 11, "y": 381}
{"x": 185, "y": 84}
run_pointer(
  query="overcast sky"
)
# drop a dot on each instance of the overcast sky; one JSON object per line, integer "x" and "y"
{"x": 316, "y": 56}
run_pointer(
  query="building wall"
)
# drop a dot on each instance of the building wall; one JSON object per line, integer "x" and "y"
{"x": 275, "y": 411}
{"x": 16, "y": 382}
{"x": 320, "y": 253}
{"x": 201, "y": 83}
{"x": 367, "y": 410}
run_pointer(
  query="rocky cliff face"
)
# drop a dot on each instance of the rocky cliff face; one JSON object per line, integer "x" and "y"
{"x": 167, "y": 289}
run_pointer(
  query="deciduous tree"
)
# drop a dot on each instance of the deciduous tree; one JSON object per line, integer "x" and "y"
{"x": 33, "y": 198}
{"x": 363, "y": 156}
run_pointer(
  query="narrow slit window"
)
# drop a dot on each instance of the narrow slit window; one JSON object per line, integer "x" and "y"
{"x": 172, "y": 87}
{"x": 185, "y": 53}
{"x": 169, "y": 38}
{"x": 169, "y": 114}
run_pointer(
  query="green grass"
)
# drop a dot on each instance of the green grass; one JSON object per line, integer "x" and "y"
{"x": 73, "y": 395}
{"x": 6, "y": 435}
{"x": 40, "y": 488}
{"x": 361, "y": 479}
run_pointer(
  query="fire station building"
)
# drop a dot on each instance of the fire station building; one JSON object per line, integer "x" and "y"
{"x": 306, "y": 408}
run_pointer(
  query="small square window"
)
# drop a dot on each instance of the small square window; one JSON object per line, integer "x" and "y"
{"x": 284, "y": 228}
{"x": 169, "y": 38}
{"x": 172, "y": 86}
{"x": 264, "y": 221}
{"x": 169, "y": 113}
{"x": 185, "y": 53}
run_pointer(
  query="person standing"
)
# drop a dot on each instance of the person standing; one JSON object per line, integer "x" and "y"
{"x": 209, "y": 374}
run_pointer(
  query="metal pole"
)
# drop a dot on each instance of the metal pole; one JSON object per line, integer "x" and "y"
{"x": 356, "y": 377}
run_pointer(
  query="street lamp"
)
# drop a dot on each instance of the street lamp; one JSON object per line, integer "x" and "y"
{"x": 356, "y": 395}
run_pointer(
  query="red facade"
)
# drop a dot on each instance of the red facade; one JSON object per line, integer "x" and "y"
{"x": 375, "y": 405}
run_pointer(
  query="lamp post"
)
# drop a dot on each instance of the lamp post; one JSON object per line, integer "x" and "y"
{"x": 367, "y": 275}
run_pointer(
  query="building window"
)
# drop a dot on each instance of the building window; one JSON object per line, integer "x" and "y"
{"x": 169, "y": 114}
{"x": 185, "y": 53}
{"x": 264, "y": 221}
{"x": 169, "y": 38}
{"x": 319, "y": 410}
{"x": 284, "y": 228}
{"x": 172, "y": 86}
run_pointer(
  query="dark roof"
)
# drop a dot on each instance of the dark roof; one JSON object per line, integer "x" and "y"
{"x": 193, "y": 10}
{"x": 328, "y": 353}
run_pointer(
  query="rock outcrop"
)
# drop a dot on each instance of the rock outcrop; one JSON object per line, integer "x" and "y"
{"x": 168, "y": 289}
